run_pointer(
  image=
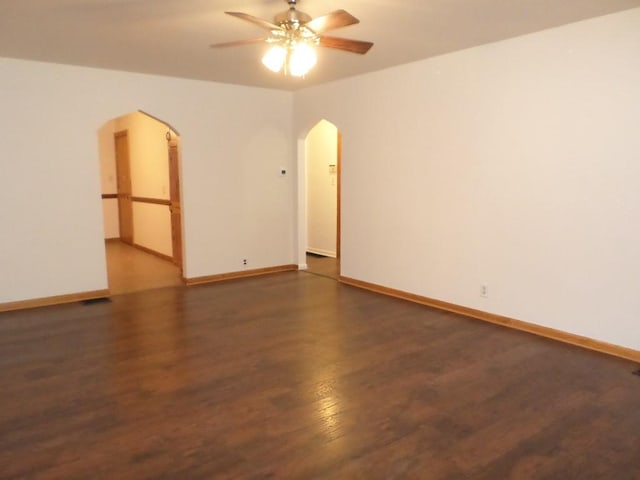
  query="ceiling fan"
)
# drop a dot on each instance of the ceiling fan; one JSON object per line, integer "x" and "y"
{"x": 293, "y": 34}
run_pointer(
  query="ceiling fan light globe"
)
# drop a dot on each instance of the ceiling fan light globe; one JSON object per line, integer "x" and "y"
{"x": 274, "y": 58}
{"x": 302, "y": 59}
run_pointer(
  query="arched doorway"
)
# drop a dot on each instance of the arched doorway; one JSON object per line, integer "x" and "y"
{"x": 322, "y": 152}
{"x": 140, "y": 173}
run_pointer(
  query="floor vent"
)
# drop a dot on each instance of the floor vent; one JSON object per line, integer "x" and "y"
{"x": 91, "y": 301}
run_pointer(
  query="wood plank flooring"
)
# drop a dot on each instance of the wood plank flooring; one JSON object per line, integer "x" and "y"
{"x": 132, "y": 270}
{"x": 295, "y": 376}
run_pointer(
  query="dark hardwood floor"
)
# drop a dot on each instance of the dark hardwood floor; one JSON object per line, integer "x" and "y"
{"x": 295, "y": 376}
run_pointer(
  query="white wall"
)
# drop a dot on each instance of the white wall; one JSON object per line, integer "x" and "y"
{"x": 148, "y": 155}
{"x": 322, "y": 188}
{"x": 152, "y": 227}
{"x": 515, "y": 165}
{"x": 234, "y": 140}
{"x": 110, "y": 220}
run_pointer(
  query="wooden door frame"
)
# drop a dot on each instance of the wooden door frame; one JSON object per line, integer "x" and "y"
{"x": 123, "y": 197}
{"x": 176, "y": 200}
{"x": 339, "y": 195}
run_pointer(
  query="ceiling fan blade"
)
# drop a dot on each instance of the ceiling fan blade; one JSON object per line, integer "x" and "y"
{"x": 255, "y": 20}
{"x": 331, "y": 21}
{"x": 348, "y": 45}
{"x": 237, "y": 43}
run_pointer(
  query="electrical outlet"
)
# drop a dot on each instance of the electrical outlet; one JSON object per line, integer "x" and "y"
{"x": 244, "y": 261}
{"x": 484, "y": 291}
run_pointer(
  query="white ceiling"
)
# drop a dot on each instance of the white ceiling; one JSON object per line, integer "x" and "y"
{"x": 171, "y": 37}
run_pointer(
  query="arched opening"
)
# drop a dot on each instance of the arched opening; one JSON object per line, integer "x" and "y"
{"x": 322, "y": 171}
{"x": 140, "y": 176}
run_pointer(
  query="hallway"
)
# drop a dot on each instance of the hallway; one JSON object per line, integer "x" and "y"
{"x": 132, "y": 270}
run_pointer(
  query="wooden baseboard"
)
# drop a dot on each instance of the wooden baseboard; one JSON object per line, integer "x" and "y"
{"x": 241, "y": 274}
{"x": 322, "y": 253}
{"x": 559, "y": 335}
{"x": 153, "y": 252}
{"x": 56, "y": 300}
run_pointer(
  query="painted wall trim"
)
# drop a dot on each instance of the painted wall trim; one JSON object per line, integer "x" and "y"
{"x": 155, "y": 201}
{"x": 56, "y": 300}
{"x": 240, "y": 274}
{"x": 551, "y": 333}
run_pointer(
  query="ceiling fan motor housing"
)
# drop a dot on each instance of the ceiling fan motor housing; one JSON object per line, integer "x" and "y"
{"x": 291, "y": 17}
